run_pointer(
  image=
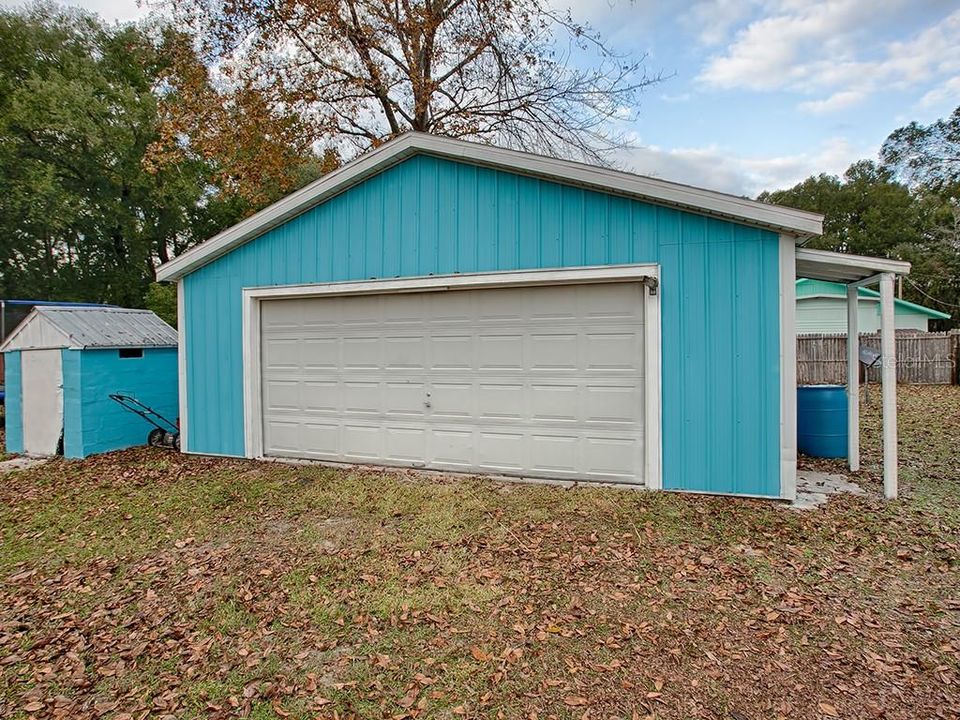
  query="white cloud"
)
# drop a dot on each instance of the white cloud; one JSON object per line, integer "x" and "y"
{"x": 719, "y": 169}
{"x": 948, "y": 91}
{"x": 823, "y": 49}
{"x": 837, "y": 101}
{"x": 712, "y": 20}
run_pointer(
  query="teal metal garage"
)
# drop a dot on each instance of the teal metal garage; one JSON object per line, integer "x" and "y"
{"x": 314, "y": 328}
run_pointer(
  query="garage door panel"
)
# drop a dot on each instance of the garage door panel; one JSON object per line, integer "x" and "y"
{"x": 361, "y": 397}
{"x": 500, "y": 400}
{"x": 451, "y": 400}
{"x": 360, "y": 353}
{"x": 552, "y": 454}
{"x": 320, "y": 353}
{"x": 320, "y": 435}
{"x": 404, "y": 353}
{"x": 281, "y": 352}
{"x": 283, "y": 394}
{"x": 405, "y": 309}
{"x": 451, "y": 352}
{"x": 405, "y": 398}
{"x": 610, "y": 456}
{"x": 319, "y": 396}
{"x": 453, "y": 449}
{"x": 545, "y": 382}
{"x": 361, "y": 311}
{"x": 362, "y": 442}
{"x": 498, "y": 306}
{"x": 612, "y": 351}
{"x": 501, "y": 451}
{"x": 406, "y": 444}
{"x": 500, "y": 352}
{"x": 553, "y": 351}
{"x": 554, "y": 402}
{"x": 283, "y": 435}
{"x": 613, "y": 403}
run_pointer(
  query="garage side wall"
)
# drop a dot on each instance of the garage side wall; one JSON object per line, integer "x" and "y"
{"x": 719, "y": 302}
{"x": 13, "y": 403}
{"x": 98, "y": 424}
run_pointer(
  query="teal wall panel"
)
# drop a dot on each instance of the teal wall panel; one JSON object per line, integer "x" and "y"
{"x": 719, "y": 302}
{"x": 93, "y": 423}
{"x": 13, "y": 408}
{"x": 72, "y": 403}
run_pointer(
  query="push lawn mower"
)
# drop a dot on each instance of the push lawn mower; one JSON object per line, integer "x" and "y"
{"x": 165, "y": 433}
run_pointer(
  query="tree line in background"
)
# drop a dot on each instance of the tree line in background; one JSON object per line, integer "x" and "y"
{"x": 98, "y": 182}
{"x": 905, "y": 205}
{"x": 121, "y": 146}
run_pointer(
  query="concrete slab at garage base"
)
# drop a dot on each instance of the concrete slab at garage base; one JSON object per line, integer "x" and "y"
{"x": 452, "y": 475}
{"x": 815, "y": 488}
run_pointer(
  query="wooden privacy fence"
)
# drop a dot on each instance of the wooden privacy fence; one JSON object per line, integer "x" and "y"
{"x": 922, "y": 358}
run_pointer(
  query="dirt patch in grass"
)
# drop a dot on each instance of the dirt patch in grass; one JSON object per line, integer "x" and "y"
{"x": 146, "y": 583}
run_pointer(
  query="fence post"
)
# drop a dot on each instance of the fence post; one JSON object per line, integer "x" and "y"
{"x": 955, "y": 356}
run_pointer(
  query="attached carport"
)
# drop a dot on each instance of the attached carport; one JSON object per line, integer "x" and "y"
{"x": 857, "y": 271}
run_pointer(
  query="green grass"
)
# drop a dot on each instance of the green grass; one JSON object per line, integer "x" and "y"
{"x": 352, "y": 591}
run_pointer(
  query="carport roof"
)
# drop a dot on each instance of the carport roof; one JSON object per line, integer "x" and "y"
{"x": 843, "y": 267}
{"x": 89, "y": 327}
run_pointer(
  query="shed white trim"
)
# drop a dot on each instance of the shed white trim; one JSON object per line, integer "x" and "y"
{"x": 788, "y": 368}
{"x": 182, "y": 364}
{"x": 798, "y": 223}
{"x": 646, "y": 274}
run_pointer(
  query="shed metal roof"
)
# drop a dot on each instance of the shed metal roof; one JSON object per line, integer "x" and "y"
{"x": 89, "y": 327}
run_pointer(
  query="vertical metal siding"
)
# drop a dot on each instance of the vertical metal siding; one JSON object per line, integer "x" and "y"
{"x": 72, "y": 403}
{"x": 100, "y": 424}
{"x": 13, "y": 403}
{"x": 720, "y": 322}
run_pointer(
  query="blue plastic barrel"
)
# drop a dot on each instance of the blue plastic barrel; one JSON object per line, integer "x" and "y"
{"x": 822, "y": 420}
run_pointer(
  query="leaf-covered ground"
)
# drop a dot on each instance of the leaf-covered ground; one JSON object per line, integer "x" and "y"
{"x": 147, "y": 584}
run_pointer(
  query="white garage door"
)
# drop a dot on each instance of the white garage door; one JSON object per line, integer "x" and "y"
{"x": 533, "y": 381}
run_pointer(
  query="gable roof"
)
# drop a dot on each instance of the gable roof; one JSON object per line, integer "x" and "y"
{"x": 89, "y": 327}
{"x": 807, "y": 288}
{"x": 798, "y": 223}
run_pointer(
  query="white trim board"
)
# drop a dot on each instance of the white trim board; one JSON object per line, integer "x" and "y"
{"x": 798, "y": 223}
{"x": 788, "y": 369}
{"x": 253, "y": 297}
{"x": 182, "y": 364}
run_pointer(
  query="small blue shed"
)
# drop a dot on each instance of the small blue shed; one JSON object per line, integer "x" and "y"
{"x": 460, "y": 307}
{"x": 63, "y": 363}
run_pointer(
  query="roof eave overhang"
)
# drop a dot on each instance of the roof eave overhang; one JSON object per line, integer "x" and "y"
{"x": 796, "y": 223}
{"x": 843, "y": 267}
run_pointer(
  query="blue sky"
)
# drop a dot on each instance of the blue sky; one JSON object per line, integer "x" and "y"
{"x": 762, "y": 93}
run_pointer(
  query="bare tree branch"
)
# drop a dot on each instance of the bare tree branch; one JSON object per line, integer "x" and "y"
{"x": 509, "y": 72}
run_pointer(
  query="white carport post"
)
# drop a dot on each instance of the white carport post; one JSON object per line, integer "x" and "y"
{"x": 853, "y": 378}
{"x": 858, "y": 271}
{"x": 888, "y": 378}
